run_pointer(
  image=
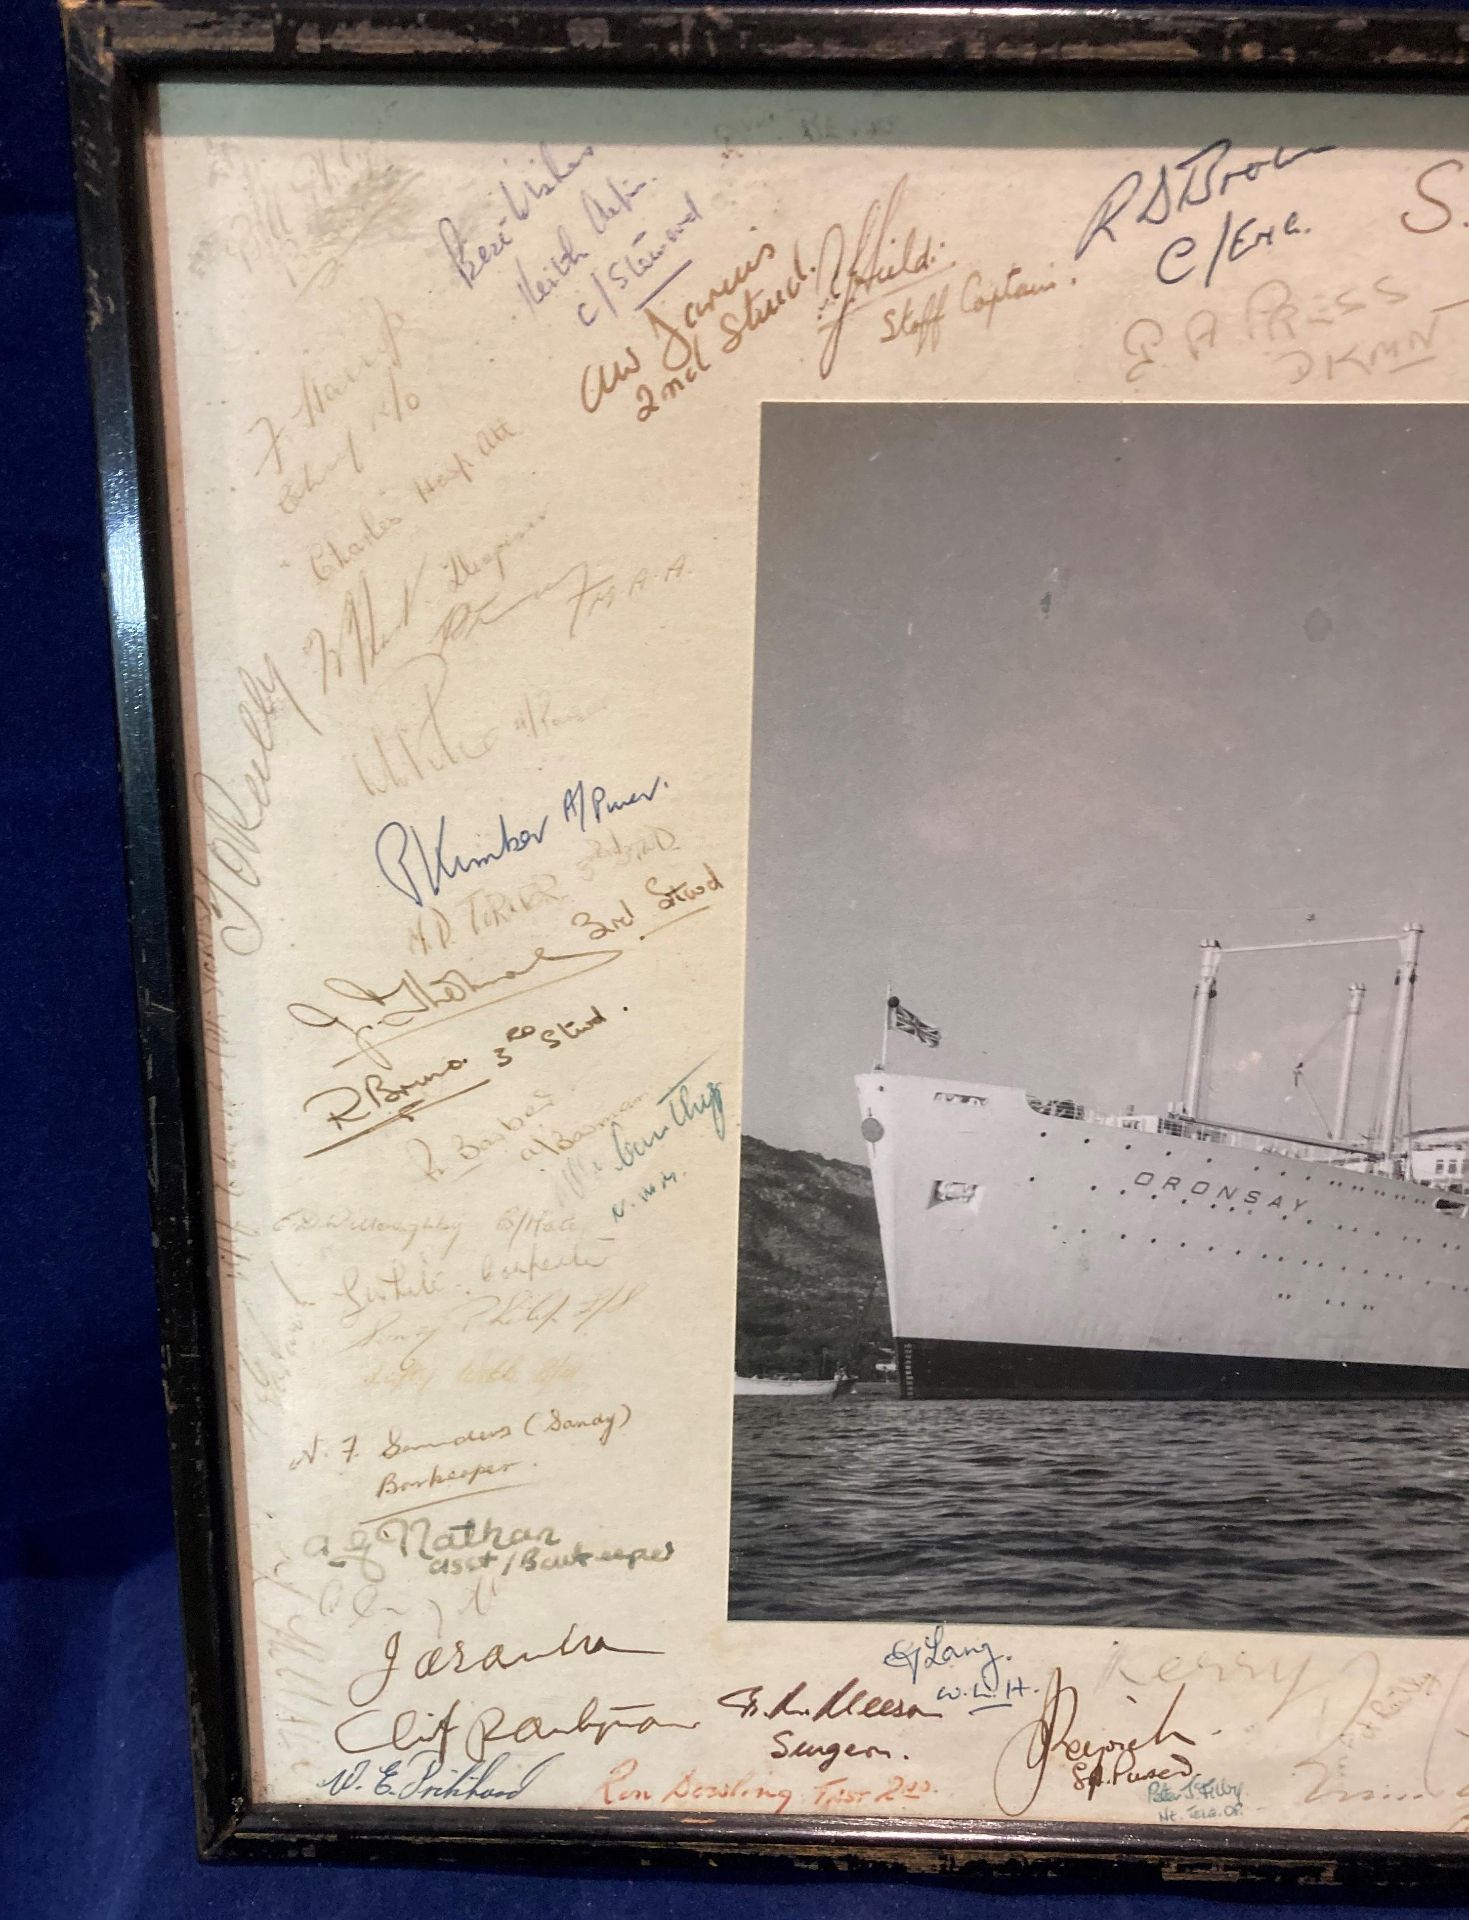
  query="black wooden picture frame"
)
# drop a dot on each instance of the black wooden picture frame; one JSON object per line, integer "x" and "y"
{"x": 117, "y": 50}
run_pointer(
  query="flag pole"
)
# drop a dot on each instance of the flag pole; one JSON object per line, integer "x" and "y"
{"x": 887, "y": 1020}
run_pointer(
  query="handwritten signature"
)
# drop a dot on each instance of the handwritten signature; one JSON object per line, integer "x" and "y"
{"x": 852, "y": 274}
{"x": 420, "y": 872}
{"x": 1201, "y": 179}
{"x": 1093, "y": 1763}
{"x": 412, "y": 1003}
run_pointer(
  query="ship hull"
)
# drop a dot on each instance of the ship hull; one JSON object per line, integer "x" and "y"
{"x": 1033, "y": 1251}
{"x": 987, "y": 1370}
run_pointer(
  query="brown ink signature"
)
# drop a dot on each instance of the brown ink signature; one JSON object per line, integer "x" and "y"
{"x": 1110, "y": 1761}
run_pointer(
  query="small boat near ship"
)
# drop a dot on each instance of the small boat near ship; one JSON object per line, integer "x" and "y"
{"x": 836, "y": 1388}
{"x": 812, "y": 1388}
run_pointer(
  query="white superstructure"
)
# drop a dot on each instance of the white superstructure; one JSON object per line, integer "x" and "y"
{"x": 1036, "y": 1247}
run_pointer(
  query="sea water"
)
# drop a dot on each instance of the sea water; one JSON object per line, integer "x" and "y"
{"x": 1299, "y": 1517}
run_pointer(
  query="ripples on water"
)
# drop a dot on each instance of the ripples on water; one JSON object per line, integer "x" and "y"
{"x": 1286, "y": 1516}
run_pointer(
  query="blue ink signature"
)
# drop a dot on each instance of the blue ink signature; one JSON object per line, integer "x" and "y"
{"x": 420, "y": 872}
{"x": 390, "y": 849}
{"x": 1200, "y": 1788}
{"x": 574, "y": 802}
{"x": 1199, "y": 180}
{"x": 935, "y": 1652}
{"x": 407, "y": 1780}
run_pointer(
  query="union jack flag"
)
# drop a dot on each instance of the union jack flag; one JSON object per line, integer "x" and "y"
{"x": 900, "y": 1020}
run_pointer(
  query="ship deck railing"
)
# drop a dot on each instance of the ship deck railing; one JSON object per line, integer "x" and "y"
{"x": 1289, "y": 1146}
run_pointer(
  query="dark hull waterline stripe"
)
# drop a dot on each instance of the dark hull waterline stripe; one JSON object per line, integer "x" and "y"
{"x": 991, "y": 1370}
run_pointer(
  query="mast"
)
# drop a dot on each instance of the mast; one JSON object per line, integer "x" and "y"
{"x": 1355, "y": 996}
{"x": 1384, "y": 1137}
{"x": 1397, "y": 1048}
{"x": 1198, "y": 1039}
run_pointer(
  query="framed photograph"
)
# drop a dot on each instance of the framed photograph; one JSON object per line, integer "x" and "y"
{"x": 792, "y": 692}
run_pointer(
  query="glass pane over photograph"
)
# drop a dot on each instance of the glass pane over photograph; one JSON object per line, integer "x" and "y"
{"x": 818, "y": 737}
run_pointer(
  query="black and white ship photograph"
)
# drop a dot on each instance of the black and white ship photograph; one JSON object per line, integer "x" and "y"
{"x": 1104, "y": 1220}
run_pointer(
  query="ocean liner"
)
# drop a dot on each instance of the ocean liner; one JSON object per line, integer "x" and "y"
{"x": 1037, "y": 1248}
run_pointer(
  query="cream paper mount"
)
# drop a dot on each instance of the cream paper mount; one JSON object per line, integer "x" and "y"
{"x": 711, "y": 613}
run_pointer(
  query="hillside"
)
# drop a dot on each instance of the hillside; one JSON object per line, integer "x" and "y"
{"x": 810, "y": 1268}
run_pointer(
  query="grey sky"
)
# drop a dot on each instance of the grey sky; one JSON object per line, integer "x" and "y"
{"x": 1046, "y": 695}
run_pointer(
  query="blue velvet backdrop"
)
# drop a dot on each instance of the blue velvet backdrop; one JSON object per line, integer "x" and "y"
{"x": 95, "y": 1815}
